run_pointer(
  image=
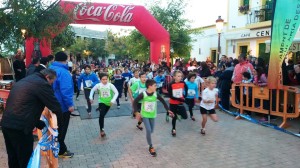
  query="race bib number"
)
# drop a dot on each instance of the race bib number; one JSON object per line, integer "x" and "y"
{"x": 88, "y": 83}
{"x": 105, "y": 93}
{"x": 149, "y": 106}
{"x": 191, "y": 92}
{"x": 177, "y": 93}
{"x": 127, "y": 79}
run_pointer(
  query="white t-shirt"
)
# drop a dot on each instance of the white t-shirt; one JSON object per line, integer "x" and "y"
{"x": 191, "y": 68}
{"x": 208, "y": 94}
{"x": 133, "y": 80}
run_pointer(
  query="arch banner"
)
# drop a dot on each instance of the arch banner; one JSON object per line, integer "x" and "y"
{"x": 123, "y": 15}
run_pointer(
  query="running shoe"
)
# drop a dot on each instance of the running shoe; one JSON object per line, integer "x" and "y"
{"x": 90, "y": 114}
{"x": 202, "y": 131}
{"x": 173, "y": 132}
{"x": 119, "y": 107}
{"x": 77, "y": 99}
{"x": 67, "y": 154}
{"x": 102, "y": 133}
{"x": 193, "y": 118}
{"x": 139, "y": 127}
{"x": 152, "y": 152}
{"x": 126, "y": 98}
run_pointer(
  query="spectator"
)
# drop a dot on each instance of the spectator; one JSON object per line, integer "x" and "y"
{"x": 25, "y": 105}
{"x": 43, "y": 64}
{"x": 35, "y": 63}
{"x": 63, "y": 89}
{"x": 225, "y": 86}
{"x": 19, "y": 66}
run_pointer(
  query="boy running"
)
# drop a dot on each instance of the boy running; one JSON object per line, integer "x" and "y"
{"x": 137, "y": 88}
{"x": 149, "y": 110}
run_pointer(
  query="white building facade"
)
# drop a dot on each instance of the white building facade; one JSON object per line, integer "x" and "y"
{"x": 248, "y": 30}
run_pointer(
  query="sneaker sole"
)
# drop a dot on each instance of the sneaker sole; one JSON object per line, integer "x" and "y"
{"x": 65, "y": 157}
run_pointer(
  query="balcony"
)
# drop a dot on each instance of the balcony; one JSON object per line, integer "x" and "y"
{"x": 259, "y": 17}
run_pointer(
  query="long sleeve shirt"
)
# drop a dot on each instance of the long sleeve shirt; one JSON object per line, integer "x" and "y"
{"x": 108, "y": 86}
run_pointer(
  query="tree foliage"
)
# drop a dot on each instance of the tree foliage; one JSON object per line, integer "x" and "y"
{"x": 171, "y": 18}
{"x": 63, "y": 40}
{"x": 40, "y": 18}
{"x": 117, "y": 44}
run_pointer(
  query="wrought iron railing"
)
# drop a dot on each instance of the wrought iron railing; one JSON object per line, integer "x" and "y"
{"x": 260, "y": 14}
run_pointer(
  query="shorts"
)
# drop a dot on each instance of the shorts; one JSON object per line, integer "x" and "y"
{"x": 205, "y": 111}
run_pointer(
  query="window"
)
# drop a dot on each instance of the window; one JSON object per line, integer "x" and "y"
{"x": 244, "y": 49}
{"x": 213, "y": 56}
{"x": 245, "y": 2}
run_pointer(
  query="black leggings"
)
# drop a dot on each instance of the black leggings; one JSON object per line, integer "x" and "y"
{"x": 177, "y": 109}
{"x": 126, "y": 89}
{"x": 77, "y": 91}
{"x": 87, "y": 95}
{"x": 191, "y": 104}
{"x": 120, "y": 95}
{"x": 103, "y": 110}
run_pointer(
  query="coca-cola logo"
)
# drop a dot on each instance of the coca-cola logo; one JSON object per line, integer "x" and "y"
{"x": 84, "y": 11}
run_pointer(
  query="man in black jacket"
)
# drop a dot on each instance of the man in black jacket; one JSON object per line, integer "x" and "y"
{"x": 24, "y": 107}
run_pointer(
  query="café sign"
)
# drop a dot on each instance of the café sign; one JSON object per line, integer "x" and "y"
{"x": 256, "y": 33}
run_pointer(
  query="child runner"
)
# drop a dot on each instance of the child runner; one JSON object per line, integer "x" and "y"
{"x": 149, "y": 110}
{"x": 127, "y": 76}
{"x": 107, "y": 96}
{"x": 192, "y": 93}
{"x": 75, "y": 77}
{"x": 137, "y": 88}
{"x": 208, "y": 102}
{"x": 177, "y": 93}
{"x": 131, "y": 82}
{"x": 118, "y": 80}
{"x": 89, "y": 80}
{"x": 159, "y": 79}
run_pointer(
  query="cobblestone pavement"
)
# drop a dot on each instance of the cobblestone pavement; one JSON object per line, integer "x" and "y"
{"x": 228, "y": 143}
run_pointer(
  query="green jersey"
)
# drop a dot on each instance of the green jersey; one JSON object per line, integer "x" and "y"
{"x": 149, "y": 105}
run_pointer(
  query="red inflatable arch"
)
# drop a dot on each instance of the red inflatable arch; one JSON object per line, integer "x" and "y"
{"x": 114, "y": 14}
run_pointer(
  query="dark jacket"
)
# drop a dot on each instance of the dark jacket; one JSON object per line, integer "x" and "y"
{"x": 225, "y": 80}
{"x": 26, "y": 103}
{"x": 31, "y": 69}
{"x": 20, "y": 69}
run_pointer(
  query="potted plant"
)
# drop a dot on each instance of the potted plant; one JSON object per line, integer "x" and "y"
{"x": 244, "y": 9}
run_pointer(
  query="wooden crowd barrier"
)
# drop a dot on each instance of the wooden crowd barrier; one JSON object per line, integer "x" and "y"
{"x": 278, "y": 104}
{"x": 47, "y": 156}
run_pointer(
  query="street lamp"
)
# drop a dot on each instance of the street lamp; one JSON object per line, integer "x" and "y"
{"x": 219, "y": 27}
{"x": 23, "y": 31}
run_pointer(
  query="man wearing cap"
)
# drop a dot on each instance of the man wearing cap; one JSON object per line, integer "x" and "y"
{"x": 63, "y": 89}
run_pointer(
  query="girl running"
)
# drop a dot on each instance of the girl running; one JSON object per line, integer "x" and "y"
{"x": 118, "y": 81}
{"x": 177, "y": 93}
{"x": 107, "y": 96}
{"x": 149, "y": 110}
{"x": 208, "y": 102}
{"x": 192, "y": 93}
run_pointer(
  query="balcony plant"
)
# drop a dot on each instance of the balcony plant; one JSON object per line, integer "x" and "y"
{"x": 244, "y": 9}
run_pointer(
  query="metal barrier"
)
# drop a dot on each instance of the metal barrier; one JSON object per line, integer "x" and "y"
{"x": 282, "y": 102}
{"x": 47, "y": 156}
